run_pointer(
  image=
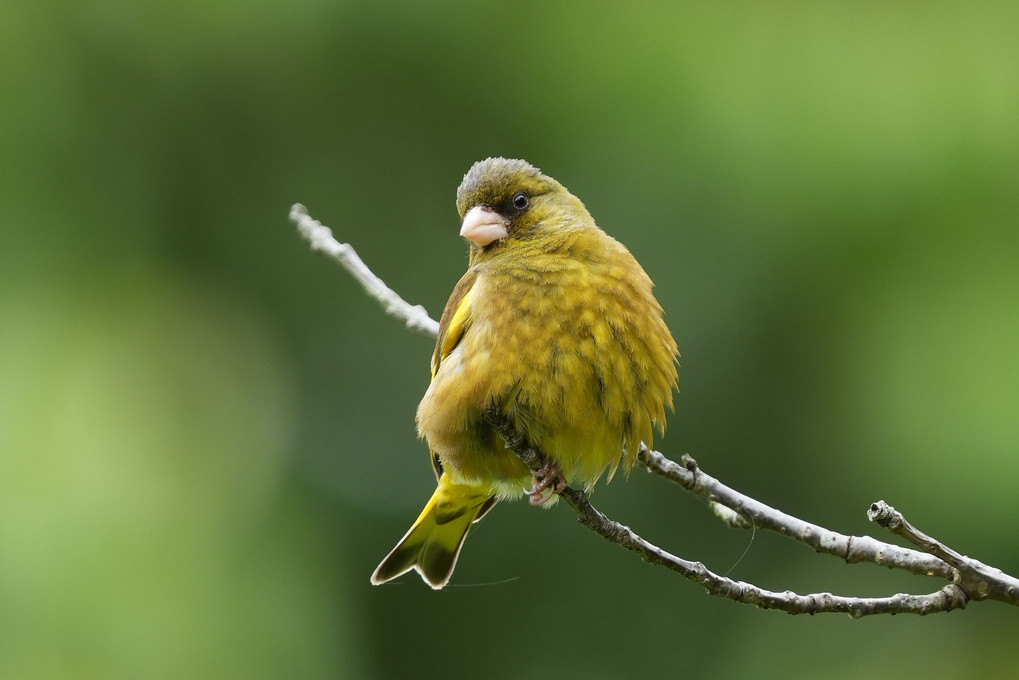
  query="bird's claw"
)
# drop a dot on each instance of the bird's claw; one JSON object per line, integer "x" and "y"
{"x": 548, "y": 481}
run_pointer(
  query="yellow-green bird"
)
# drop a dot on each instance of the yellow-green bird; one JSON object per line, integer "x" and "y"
{"x": 555, "y": 325}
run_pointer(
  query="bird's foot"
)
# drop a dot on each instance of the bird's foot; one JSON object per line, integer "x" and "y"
{"x": 548, "y": 481}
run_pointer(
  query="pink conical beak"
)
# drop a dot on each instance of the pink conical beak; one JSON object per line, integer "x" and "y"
{"x": 482, "y": 225}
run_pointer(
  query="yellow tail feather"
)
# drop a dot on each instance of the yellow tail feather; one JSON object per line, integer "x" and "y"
{"x": 433, "y": 543}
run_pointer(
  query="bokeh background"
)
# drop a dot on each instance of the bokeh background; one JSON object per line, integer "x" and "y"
{"x": 206, "y": 430}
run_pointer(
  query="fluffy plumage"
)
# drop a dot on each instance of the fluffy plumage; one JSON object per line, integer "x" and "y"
{"x": 554, "y": 324}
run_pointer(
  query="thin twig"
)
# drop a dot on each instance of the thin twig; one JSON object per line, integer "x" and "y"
{"x": 969, "y": 578}
{"x": 415, "y": 317}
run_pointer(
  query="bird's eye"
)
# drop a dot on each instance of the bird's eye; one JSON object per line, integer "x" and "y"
{"x": 520, "y": 201}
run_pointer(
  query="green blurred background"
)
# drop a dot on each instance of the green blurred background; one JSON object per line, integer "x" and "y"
{"x": 206, "y": 430}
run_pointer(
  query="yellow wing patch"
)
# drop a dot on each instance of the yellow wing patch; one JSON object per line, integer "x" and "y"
{"x": 458, "y": 323}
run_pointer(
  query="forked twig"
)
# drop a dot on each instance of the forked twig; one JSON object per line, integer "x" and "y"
{"x": 969, "y": 579}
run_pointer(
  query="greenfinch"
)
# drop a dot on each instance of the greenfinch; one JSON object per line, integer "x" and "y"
{"x": 554, "y": 326}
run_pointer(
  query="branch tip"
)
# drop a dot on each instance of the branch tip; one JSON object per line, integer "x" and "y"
{"x": 321, "y": 238}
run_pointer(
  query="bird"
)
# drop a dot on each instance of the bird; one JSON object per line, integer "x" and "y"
{"x": 555, "y": 327}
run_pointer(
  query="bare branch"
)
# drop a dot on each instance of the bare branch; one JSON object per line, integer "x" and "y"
{"x": 415, "y": 317}
{"x": 969, "y": 578}
{"x": 852, "y": 549}
{"x": 949, "y": 597}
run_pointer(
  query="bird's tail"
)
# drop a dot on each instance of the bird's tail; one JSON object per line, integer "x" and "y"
{"x": 433, "y": 543}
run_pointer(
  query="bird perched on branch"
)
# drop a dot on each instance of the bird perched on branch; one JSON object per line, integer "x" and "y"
{"x": 555, "y": 326}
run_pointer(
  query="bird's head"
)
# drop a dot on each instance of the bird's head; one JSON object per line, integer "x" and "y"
{"x": 503, "y": 202}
